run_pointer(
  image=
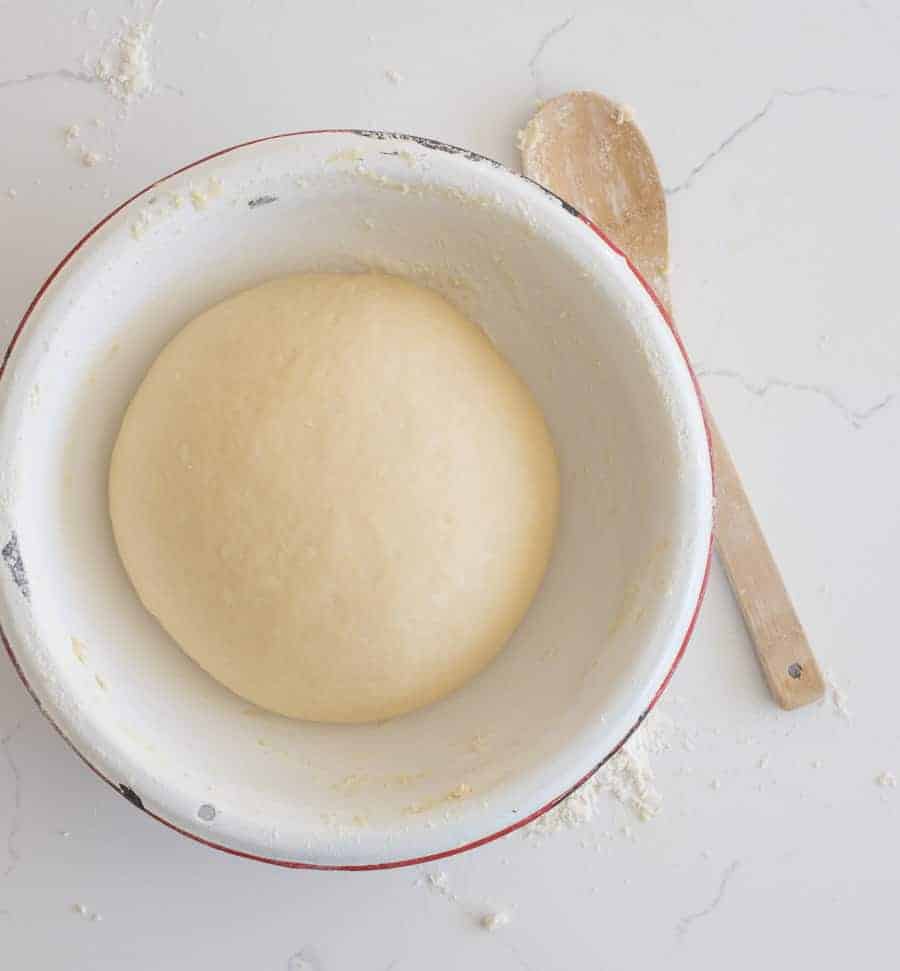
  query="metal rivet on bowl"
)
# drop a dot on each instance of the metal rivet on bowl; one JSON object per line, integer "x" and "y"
{"x": 795, "y": 670}
{"x": 207, "y": 813}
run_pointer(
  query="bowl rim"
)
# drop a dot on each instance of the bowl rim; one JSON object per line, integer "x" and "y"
{"x": 437, "y": 145}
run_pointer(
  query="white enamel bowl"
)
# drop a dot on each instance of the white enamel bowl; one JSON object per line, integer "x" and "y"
{"x": 606, "y": 629}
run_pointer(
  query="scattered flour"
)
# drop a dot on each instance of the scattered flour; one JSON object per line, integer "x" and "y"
{"x": 439, "y": 881}
{"x": 886, "y": 779}
{"x": 124, "y": 69}
{"x": 83, "y": 911}
{"x": 490, "y": 920}
{"x": 837, "y": 696}
{"x": 494, "y": 920}
{"x": 88, "y": 156}
{"x": 124, "y": 66}
{"x": 393, "y": 76}
{"x": 627, "y": 776}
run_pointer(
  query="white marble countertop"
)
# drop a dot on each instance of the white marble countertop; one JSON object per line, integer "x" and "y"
{"x": 775, "y": 126}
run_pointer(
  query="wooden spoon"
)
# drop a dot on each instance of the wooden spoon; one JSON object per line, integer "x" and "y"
{"x": 589, "y": 152}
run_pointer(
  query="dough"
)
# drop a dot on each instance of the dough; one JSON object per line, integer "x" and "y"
{"x": 335, "y": 495}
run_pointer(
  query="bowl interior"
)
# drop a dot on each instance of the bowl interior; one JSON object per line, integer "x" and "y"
{"x": 625, "y": 577}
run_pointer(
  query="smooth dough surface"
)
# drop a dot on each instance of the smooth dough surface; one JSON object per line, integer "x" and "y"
{"x": 335, "y": 495}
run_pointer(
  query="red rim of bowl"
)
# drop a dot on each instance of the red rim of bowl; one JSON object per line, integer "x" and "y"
{"x": 131, "y": 796}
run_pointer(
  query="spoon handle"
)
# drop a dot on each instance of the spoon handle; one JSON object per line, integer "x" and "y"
{"x": 788, "y": 663}
{"x": 784, "y": 653}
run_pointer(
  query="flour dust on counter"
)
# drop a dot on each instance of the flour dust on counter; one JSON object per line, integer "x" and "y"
{"x": 837, "y": 696}
{"x": 86, "y": 913}
{"x": 89, "y": 159}
{"x": 302, "y": 961}
{"x": 628, "y": 777}
{"x": 494, "y": 920}
{"x": 487, "y": 917}
{"x": 123, "y": 68}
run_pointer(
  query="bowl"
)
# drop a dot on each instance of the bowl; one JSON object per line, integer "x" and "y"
{"x": 607, "y": 627}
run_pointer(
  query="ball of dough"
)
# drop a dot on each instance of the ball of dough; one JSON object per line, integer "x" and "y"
{"x": 335, "y": 495}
